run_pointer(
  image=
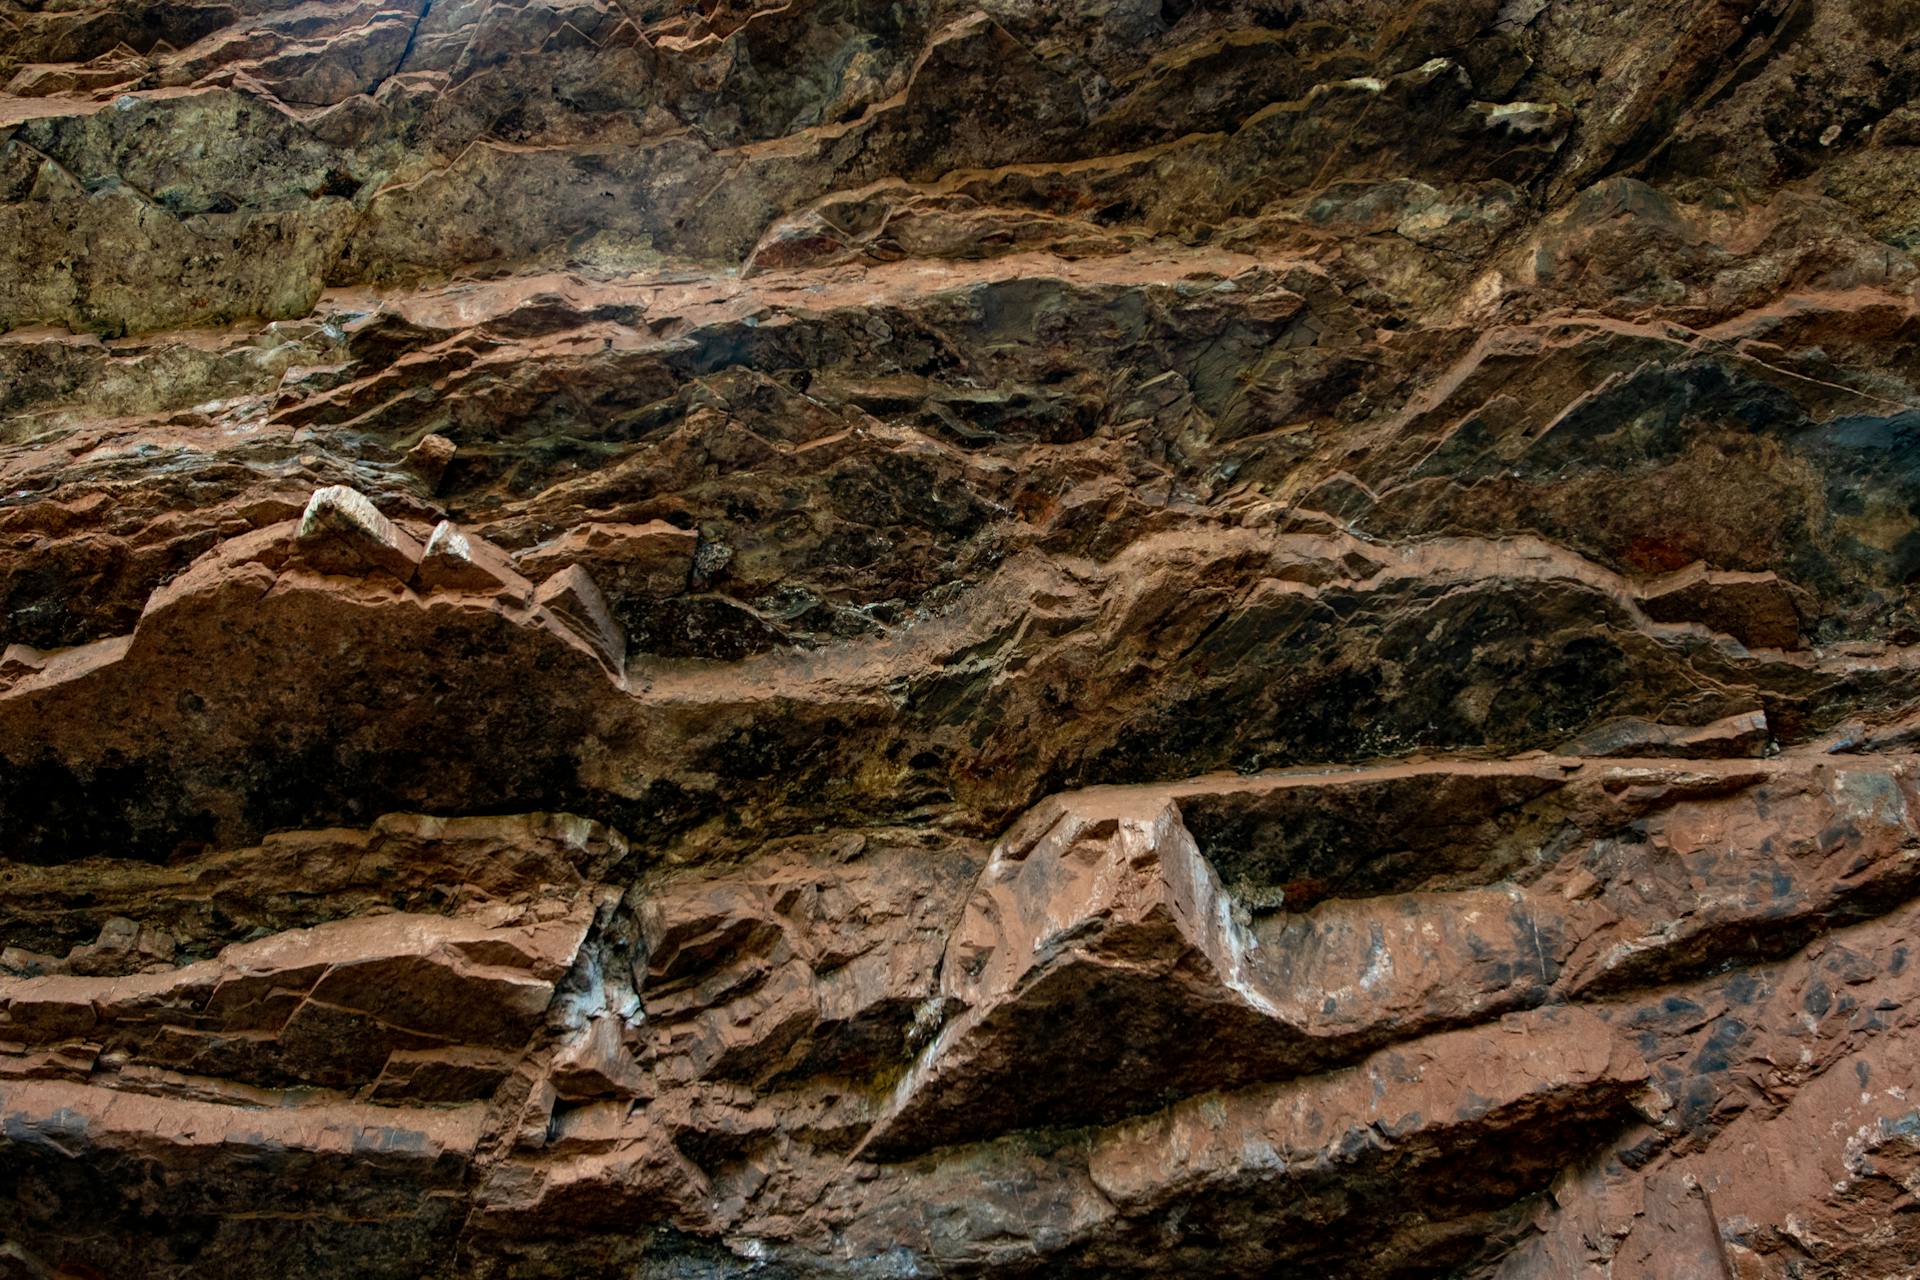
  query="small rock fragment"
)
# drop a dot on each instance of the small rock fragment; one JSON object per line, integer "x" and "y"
{"x": 597, "y": 1064}
{"x": 571, "y": 596}
{"x": 123, "y": 946}
{"x": 430, "y": 458}
{"x": 29, "y": 964}
{"x": 343, "y": 532}
{"x": 453, "y": 561}
{"x": 708, "y": 561}
{"x": 19, "y": 660}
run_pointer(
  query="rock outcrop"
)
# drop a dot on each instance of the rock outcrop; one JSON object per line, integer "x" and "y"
{"x": 879, "y": 638}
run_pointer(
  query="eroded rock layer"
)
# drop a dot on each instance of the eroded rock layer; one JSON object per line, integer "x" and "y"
{"x": 882, "y": 638}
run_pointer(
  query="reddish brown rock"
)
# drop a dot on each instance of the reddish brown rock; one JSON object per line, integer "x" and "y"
{"x": 572, "y": 597}
{"x": 646, "y": 561}
{"x": 827, "y": 638}
{"x": 342, "y": 532}
{"x": 1754, "y": 608}
{"x": 452, "y": 561}
{"x": 430, "y": 458}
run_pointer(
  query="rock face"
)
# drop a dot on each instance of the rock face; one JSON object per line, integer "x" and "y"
{"x": 882, "y": 638}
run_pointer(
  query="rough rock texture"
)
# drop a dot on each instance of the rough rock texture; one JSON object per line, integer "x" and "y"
{"x": 882, "y": 638}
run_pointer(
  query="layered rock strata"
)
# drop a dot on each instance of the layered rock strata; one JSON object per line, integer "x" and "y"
{"x": 814, "y": 638}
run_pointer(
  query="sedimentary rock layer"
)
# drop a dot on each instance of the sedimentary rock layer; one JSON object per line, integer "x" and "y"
{"x": 815, "y": 638}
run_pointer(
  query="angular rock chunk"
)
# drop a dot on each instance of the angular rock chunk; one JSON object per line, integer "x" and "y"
{"x": 1754, "y": 608}
{"x": 1107, "y": 944}
{"x": 815, "y": 968}
{"x": 342, "y": 532}
{"x": 1267, "y": 1172}
{"x": 602, "y": 1171}
{"x": 631, "y": 561}
{"x": 1298, "y": 1178}
{"x": 1101, "y": 940}
{"x": 122, "y": 944}
{"x": 430, "y": 459}
{"x": 455, "y": 561}
{"x": 328, "y": 1005}
{"x": 596, "y": 1063}
{"x": 571, "y": 596}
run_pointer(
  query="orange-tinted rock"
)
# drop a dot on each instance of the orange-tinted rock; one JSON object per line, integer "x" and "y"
{"x": 825, "y": 638}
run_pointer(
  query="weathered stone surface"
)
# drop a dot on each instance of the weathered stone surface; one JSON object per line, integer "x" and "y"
{"x": 816, "y": 638}
{"x": 1100, "y": 937}
{"x": 455, "y": 562}
{"x": 572, "y": 598}
{"x": 342, "y": 532}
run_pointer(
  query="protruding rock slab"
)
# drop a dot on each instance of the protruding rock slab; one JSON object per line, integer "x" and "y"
{"x": 110, "y": 1157}
{"x": 631, "y": 561}
{"x": 341, "y": 531}
{"x": 1362, "y": 1166}
{"x": 1757, "y": 609}
{"x": 406, "y": 861}
{"x": 1374, "y": 1151}
{"x": 1107, "y": 938}
{"x": 454, "y": 561}
{"x": 571, "y": 596}
{"x": 1101, "y": 937}
{"x": 323, "y": 1006}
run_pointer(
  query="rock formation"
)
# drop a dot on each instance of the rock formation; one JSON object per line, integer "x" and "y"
{"x": 885, "y": 638}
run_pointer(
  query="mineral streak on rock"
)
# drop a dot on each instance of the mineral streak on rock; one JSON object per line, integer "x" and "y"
{"x": 879, "y": 638}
